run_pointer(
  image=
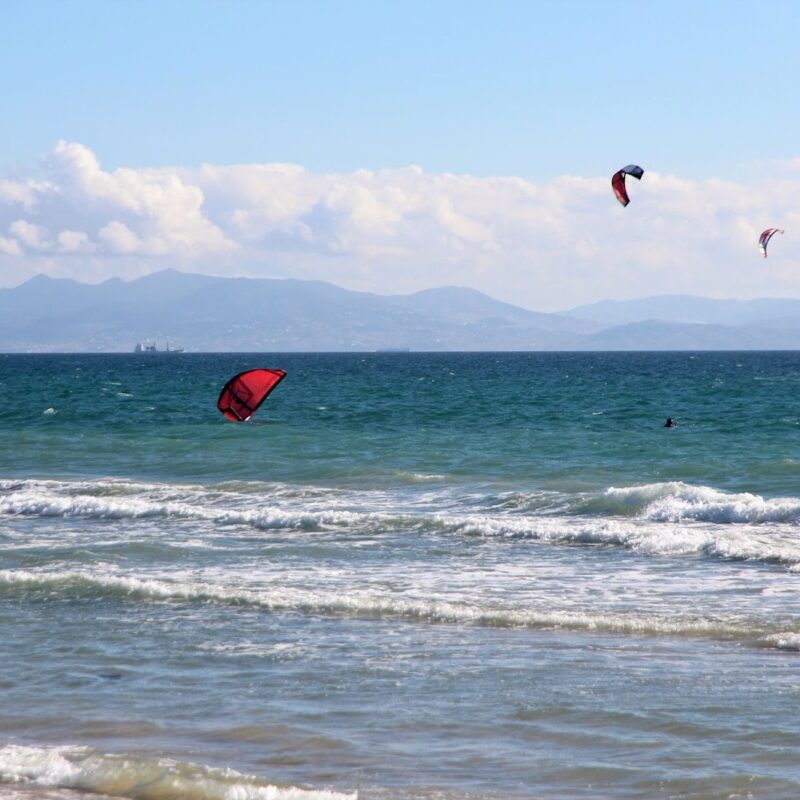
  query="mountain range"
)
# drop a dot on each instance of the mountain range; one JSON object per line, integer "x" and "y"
{"x": 212, "y": 314}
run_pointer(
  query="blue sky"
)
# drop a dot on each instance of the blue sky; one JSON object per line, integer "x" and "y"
{"x": 701, "y": 91}
{"x": 533, "y": 89}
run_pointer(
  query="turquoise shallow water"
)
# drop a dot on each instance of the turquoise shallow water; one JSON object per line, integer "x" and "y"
{"x": 412, "y": 576}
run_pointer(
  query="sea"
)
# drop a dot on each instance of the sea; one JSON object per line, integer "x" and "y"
{"x": 411, "y": 576}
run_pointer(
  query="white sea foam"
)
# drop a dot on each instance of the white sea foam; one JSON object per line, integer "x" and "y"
{"x": 371, "y": 603}
{"x": 249, "y": 648}
{"x": 643, "y": 536}
{"x": 44, "y": 503}
{"x": 676, "y": 502}
{"x": 421, "y": 477}
{"x": 785, "y": 641}
{"x": 85, "y": 769}
{"x": 654, "y": 519}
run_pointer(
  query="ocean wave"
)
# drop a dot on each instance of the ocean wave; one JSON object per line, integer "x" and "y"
{"x": 672, "y": 501}
{"x": 786, "y": 640}
{"x": 87, "y": 770}
{"x": 641, "y": 536}
{"x": 372, "y": 604}
{"x": 678, "y": 502}
{"x": 112, "y": 486}
{"x": 669, "y": 519}
{"x": 35, "y": 502}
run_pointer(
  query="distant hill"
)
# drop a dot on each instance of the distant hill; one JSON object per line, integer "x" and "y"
{"x": 203, "y": 313}
{"x": 767, "y": 312}
{"x": 661, "y": 335}
{"x": 212, "y": 314}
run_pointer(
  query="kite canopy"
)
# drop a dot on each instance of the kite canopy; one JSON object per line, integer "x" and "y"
{"x": 244, "y": 393}
{"x": 763, "y": 240}
{"x": 618, "y": 181}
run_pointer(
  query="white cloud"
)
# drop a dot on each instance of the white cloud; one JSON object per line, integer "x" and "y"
{"x": 21, "y": 193}
{"x": 163, "y": 212}
{"x": 9, "y": 247}
{"x": 118, "y": 238}
{"x": 73, "y": 242}
{"x": 543, "y": 245}
{"x": 32, "y": 236}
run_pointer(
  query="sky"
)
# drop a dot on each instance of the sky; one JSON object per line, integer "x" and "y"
{"x": 391, "y": 146}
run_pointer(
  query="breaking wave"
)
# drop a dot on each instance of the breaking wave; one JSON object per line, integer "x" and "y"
{"x": 654, "y": 519}
{"x": 86, "y": 770}
{"x": 373, "y": 604}
{"x": 677, "y": 502}
{"x": 41, "y": 499}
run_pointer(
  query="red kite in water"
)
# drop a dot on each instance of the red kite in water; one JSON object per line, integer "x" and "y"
{"x": 244, "y": 393}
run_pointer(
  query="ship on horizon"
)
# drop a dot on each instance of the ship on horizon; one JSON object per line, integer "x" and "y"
{"x": 151, "y": 348}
